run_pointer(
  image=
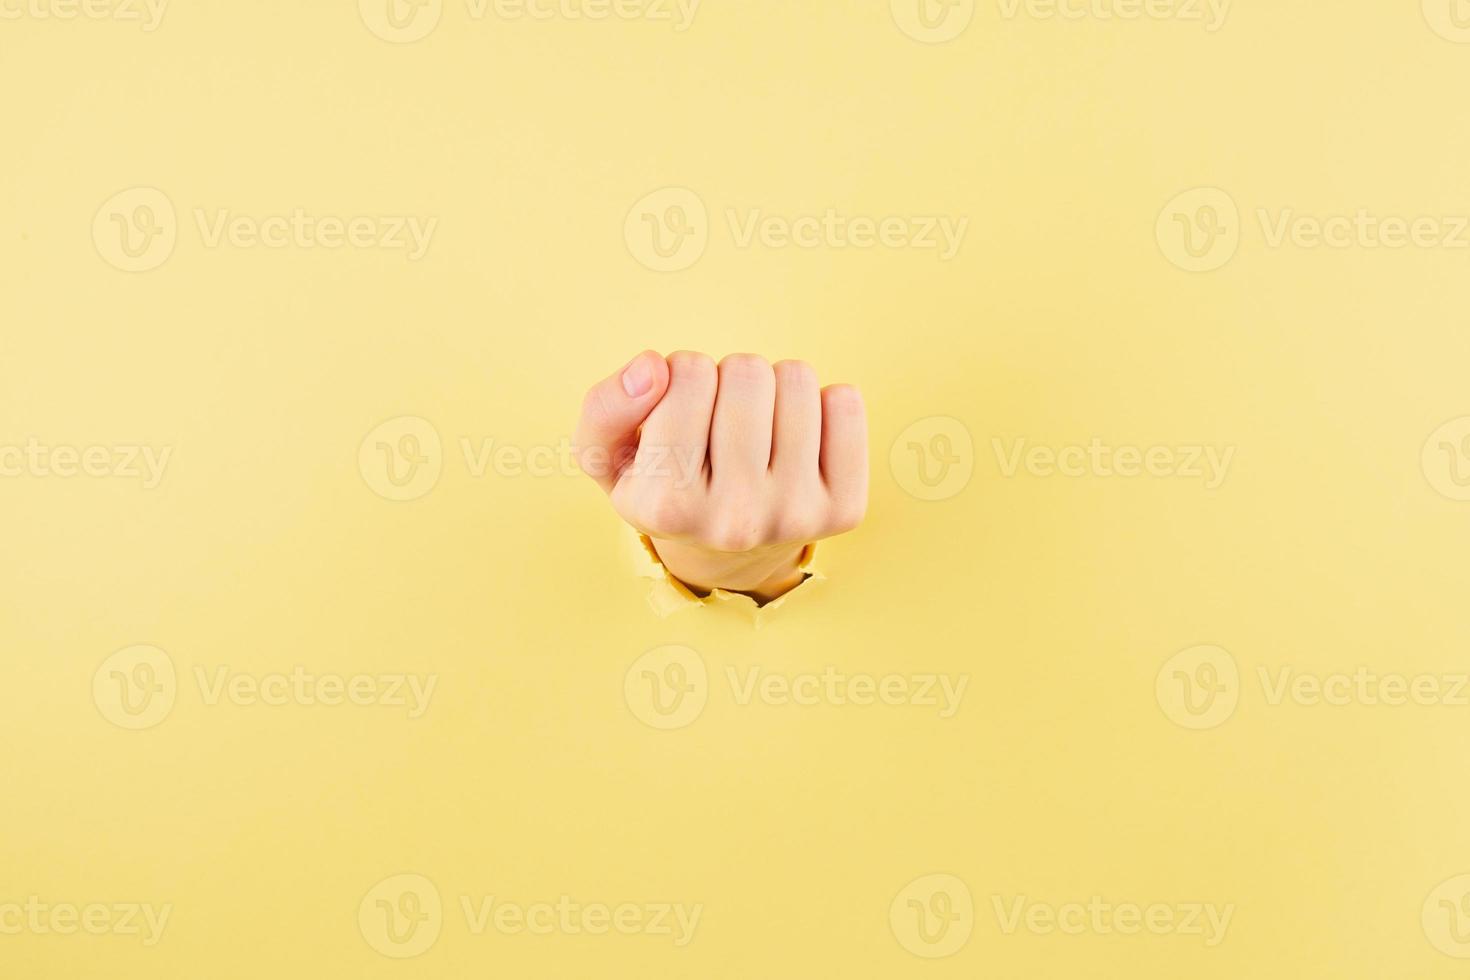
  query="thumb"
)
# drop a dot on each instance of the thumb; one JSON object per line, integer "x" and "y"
{"x": 607, "y": 434}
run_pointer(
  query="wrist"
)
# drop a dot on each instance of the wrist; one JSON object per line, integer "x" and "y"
{"x": 764, "y": 575}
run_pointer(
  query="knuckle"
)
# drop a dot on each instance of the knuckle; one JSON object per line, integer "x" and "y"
{"x": 594, "y": 406}
{"x": 693, "y": 362}
{"x": 595, "y": 461}
{"x": 795, "y": 372}
{"x": 625, "y": 504}
{"x": 745, "y": 364}
{"x": 664, "y": 511}
{"x": 733, "y": 537}
{"x": 848, "y": 514}
{"x": 844, "y": 399}
{"x": 796, "y": 527}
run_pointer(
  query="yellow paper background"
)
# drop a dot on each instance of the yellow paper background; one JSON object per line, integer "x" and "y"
{"x": 1326, "y": 548}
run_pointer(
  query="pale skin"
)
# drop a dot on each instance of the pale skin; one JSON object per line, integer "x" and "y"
{"x": 731, "y": 469}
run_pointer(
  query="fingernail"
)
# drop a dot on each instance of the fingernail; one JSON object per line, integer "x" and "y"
{"x": 637, "y": 377}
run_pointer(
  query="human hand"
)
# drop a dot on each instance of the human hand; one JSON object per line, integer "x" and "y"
{"x": 731, "y": 470}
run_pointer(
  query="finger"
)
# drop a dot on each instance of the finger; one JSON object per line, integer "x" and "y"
{"x": 740, "y": 434}
{"x": 845, "y": 450}
{"x": 679, "y": 426}
{"x": 796, "y": 440}
{"x": 607, "y": 433}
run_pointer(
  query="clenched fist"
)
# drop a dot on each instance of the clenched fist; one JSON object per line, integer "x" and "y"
{"x": 731, "y": 470}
